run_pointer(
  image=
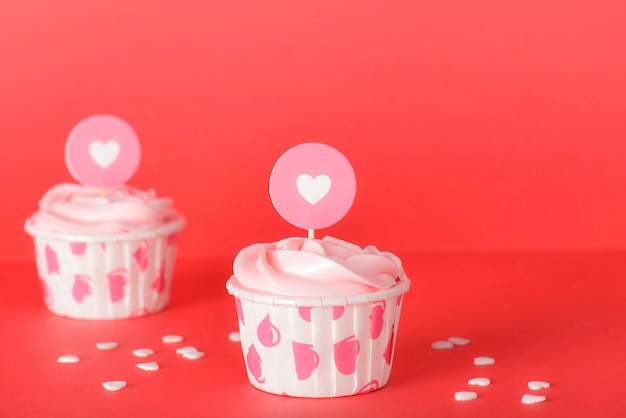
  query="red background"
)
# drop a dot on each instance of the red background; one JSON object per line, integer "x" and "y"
{"x": 471, "y": 125}
{"x": 482, "y": 126}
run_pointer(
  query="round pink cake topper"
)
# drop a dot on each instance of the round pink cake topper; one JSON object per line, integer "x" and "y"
{"x": 102, "y": 151}
{"x": 312, "y": 185}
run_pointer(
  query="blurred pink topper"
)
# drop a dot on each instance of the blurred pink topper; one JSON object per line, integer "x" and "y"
{"x": 102, "y": 151}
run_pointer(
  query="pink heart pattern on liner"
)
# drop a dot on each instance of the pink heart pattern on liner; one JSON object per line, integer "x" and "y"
{"x": 345, "y": 353}
{"x": 376, "y": 319}
{"x": 117, "y": 281}
{"x": 267, "y": 333}
{"x": 253, "y": 360}
{"x": 305, "y": 313}
{"x": 338, "y": 312}
{"x": 239, "y": 310}
{"x": 306, "y": 359}
{"x": 141, "y": 256}
{"x": 81, "y": 287}
{"x": 369, "y": 386}
{"x": 388, "y": 355}
{"x": 159, "y": 282}
{"x": 52, "y": 261}
{"x": 78, "y": 248}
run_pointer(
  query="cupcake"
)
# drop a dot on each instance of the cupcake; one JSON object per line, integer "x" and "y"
{"x": 317, "y": 317}
{"x": 104, "y": 252}
{"x": 104, "y": 256}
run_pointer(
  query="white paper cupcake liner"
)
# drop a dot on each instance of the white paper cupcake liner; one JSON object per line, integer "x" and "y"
{"x": 86, "y": 277}
{"x": 318, "y": 347}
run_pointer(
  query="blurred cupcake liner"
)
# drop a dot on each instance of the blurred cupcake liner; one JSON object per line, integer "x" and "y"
{"x": 106, "y": 276}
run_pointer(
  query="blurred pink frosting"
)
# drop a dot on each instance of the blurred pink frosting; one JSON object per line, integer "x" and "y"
{"x": 73, "y": 208}
{"x": 316, "y": 268}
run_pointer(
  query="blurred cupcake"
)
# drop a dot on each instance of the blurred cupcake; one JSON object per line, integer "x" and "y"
{"x": 317, "y": 317}
{"x": 104, "y": 255}
{"x": 104, "y": 250}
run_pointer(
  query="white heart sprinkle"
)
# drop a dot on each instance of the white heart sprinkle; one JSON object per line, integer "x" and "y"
{"x": 69, "y": 358}
{"x": 187, "y": 349}
{"x": 465, "y": 396}
{"x": 441, "y": 345}
{"x": 483, "y": 361}
{"x": 152, "y": 366}
{"x": 459, "y": 340}
{"x": 538, "y": 384}
{"x": 313, "y": 189}
{"x": 193, "y": 355}
{"x": 114, "y": 385}
{"x": 104, "y": 153}
{"x": 143, "y": 352}
{"x": 531, "y": 399}
{"x": 234, "y": 336}
{"x": 171, "y": 339}
{"x": 479, "y": 381}
{"x": 110, "y": 345}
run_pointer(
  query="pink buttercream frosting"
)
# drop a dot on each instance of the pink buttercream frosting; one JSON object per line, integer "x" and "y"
{"x": 72, "y": 208}
{"x": 316, "y": 268}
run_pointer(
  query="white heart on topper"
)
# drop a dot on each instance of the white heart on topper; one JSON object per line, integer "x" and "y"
{"x": 104, "y": 153}
{"x": 313, "y": 189}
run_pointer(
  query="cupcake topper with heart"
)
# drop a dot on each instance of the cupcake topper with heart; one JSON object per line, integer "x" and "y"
{"x": 312, "y": 186}
{"x": 102, "y": 151}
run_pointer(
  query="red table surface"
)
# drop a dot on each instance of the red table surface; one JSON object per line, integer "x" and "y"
{"x": 543, "y": 316}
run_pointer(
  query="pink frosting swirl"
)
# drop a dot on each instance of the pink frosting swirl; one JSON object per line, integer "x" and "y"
{"x": 72, "y": 208}
{"x": 316, "y": 268}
